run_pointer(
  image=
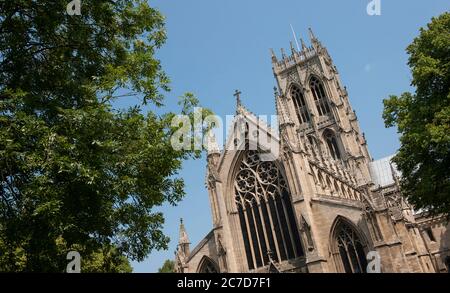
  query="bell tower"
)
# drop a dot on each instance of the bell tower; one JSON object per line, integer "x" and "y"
{"x": 313, "y": 102}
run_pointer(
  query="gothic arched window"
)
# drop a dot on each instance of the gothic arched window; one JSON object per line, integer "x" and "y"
{"x": 349, "y": 249}
{"x": 332, "y": 144}
{"x": 266, "y": 214}
{"x": 207, "y": 266}
{"x": 300, "y": 105}
{"x": 319, "y": 96}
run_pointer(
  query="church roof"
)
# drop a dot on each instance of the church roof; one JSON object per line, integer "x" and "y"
{"x": 242, "y": 114}
{"x": 382, "y": 171}
{"x": 199, "y": 246}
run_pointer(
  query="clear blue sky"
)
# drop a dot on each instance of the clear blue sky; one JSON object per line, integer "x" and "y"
{"x": 214, "y": 47}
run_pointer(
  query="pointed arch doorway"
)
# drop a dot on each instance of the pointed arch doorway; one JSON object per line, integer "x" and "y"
{"x": 207, "y": 266}
{"x": 349, "y": 247}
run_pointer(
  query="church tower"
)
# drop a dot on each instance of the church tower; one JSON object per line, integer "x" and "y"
{"x": 317, "y": 105}
{"x": 340, "y": 214}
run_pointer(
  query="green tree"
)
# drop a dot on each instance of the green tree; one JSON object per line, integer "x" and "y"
{"x": 168, "y": 267}
{"x": 76, "y": 173}
{"x": 423, "y": 120}
{"x": 108, "y": 259}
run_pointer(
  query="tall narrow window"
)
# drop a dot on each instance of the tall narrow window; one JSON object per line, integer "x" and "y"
{"x": 320, "y": 97}
{"x": 300, "y": 105}
{"x": 349, "y": 248}
{"x": 332, "y": 144}
{"x": 266, "y": 214}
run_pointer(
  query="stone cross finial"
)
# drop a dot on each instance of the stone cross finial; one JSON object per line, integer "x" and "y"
{"x": 237, "y": 94}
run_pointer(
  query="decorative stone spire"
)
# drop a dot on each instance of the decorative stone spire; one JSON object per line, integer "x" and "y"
{"x": 212, "y": 146}
{"x": 274, "y": 57}
{"x": 304, "y": 47}
{"x": 311, "y": 34}
{"x": 293, "y": 51}
{"x": 314, "y": 41}
{"x": 283, "y": 53}
{"x": 183, "y": 235}
{"x": 183, "y": 242}
{"x": 237, "y": 95}
{"x": 283, "y": 116}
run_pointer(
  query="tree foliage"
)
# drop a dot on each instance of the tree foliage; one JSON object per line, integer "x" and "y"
{"x": 423, "y": 120}
{"x": 168, "y": 267}
{"x": 108, "y": 259}
{"x": 76, "y": 173}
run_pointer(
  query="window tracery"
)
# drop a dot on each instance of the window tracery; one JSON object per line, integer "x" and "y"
{"x": 332, "y": 144}
{"x": 319, "y": 95}
{"x": 265, "y": 212}
{"x": 300, "y": 105}
{"x": 350, "y": 249}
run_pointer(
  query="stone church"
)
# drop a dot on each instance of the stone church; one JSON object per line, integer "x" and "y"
{"x": 322, "y": 204}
